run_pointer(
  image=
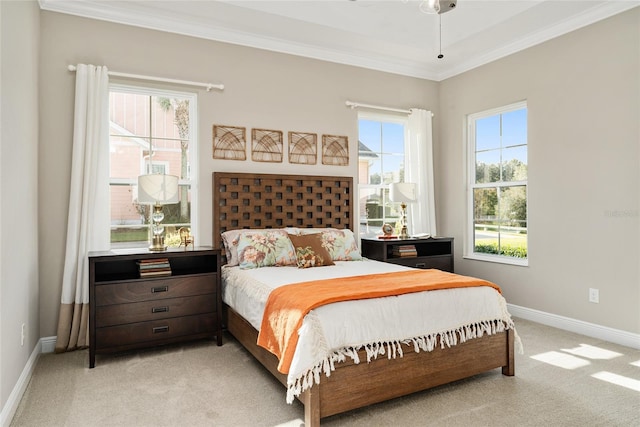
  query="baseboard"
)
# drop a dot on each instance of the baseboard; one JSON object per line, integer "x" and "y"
{"x": 616, "y": 336}
{"x": 9, "y": 409}
{"x": 628, "y": 339}
{"x": 48, "y": 344}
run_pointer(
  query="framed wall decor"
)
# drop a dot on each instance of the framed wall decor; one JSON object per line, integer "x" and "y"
{"x": 266, "y": 145}
{"x": 229, "y": 143}
{"x": 335, "y": 150}
{"x": 303, "y": 148}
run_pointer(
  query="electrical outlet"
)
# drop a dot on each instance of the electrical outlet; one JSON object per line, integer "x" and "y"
{"x": 594, "y": 295}
{"x": 22, "y": 335}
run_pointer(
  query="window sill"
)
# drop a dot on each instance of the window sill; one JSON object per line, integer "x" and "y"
{"x": 498, "y": 259}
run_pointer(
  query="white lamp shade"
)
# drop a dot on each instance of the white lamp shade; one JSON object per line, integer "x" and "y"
{"x": 402, "y": 192}
{"x": 158, "y": 189}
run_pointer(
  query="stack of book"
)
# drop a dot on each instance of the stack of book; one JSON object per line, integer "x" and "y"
{"x": 389, "y": 237}
{"x": 154, "y": 267}
{"x": 405, "y": 251}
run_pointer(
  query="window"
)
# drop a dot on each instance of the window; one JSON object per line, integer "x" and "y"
{"x": 150, "y": 131}
{"x": 381, "y": 151}
{"x": 497, "y": 171}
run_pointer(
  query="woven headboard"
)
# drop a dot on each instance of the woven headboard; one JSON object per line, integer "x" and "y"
{"x": 246, "y": 200}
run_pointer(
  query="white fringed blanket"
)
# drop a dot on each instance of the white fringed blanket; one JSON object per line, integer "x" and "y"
{"x": 330, "y": 334}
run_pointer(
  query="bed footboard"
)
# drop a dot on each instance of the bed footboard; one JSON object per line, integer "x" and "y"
{"x": 353, "y": 386}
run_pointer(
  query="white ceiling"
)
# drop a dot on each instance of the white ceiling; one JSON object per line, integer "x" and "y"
{"x": 385, "y": 35}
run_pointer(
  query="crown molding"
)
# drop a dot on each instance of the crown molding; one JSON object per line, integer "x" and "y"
{"x": 143, "y": 14}
{"x": 603, "y": 11}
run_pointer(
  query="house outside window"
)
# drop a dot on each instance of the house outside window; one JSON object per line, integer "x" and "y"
{"x": 497, "y": 196}
{"x": 150, "y": 131}
{"x": 381, "y": 141}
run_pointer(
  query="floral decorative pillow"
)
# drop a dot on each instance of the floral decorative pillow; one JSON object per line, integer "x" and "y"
{"x": 341, "y": 244}
{"x": 309, "y": 251}
{"x": 265, "y": 248}
{"x": 230, "y": 239}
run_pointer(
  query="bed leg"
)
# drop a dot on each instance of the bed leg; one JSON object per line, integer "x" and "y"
{"x": 311, "y": 401}
{"x": 510, "y": 368}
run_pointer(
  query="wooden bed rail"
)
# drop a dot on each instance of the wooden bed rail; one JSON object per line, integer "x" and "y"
{"x": 353, "y": 386}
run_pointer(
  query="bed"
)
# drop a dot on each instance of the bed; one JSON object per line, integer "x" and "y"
{"x": 293, "y": 202}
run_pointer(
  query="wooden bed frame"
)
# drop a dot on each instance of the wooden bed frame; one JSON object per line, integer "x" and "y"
{"x": 242, "y": 200}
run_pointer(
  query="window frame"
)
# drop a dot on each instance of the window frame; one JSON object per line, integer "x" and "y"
{"x": 192, "y": 166}
{"x": 382, "y": 118}
{"x": 470, "y": 160}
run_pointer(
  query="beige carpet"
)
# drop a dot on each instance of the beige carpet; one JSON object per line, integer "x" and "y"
{"x": 562, "y": 379}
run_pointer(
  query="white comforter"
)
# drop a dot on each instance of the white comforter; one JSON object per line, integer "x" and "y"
{"x": 333, "y": 332}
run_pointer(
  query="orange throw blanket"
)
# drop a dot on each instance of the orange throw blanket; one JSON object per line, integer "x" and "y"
{"x": 288, "y": 305}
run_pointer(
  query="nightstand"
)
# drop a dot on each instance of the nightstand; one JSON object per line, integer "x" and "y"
{"x": 429, "y": 253}
{"x": 130, "y": 310}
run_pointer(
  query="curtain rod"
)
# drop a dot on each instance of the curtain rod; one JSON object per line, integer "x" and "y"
{"x": 207, "y": 86}
{"x": 353, "y": 105}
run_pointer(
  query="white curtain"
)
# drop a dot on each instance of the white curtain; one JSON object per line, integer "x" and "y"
{"x": 88, "y": 220}
{"x": 419, "y": 170}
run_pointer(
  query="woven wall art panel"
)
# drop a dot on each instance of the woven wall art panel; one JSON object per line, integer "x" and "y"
{"x": 303, "y": 148}
{"x": 266, "y": 145}
{"x": 335, "y": 150}
{"x": 229, "y": 143}
{"x": 244, "y": 200}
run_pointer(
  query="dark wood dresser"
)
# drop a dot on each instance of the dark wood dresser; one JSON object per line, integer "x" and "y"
{"x": 127, "y": 311}
{"x": 428, "y": 253}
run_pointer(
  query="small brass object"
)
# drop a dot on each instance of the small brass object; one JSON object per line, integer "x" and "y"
{"x": 186, "y": 238}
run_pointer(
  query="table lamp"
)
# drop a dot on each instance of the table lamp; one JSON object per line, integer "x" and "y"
{"x": 403, "y": 193}
{"x": 157, "y": 190}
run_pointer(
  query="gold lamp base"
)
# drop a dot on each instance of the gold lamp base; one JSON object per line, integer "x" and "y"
{"x": 157, "y": 244}
{"x": 404, "y": 231}
{"x": 157, "y": 230}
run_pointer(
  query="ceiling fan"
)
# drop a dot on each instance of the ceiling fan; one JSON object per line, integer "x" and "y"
{"x": 437, "y": 7}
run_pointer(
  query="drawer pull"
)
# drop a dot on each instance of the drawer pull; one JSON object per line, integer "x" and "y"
{"x": 421, "y": 265}
{"x": 159, "y": 289}
{"x": 160, "y": 329}
{"x": 160, "y": 309}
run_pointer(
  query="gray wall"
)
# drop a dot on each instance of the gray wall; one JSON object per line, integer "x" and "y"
{"x": 18, "y": 190}
{"x": 583, "y": 91}
{"x": 262, "y": 89}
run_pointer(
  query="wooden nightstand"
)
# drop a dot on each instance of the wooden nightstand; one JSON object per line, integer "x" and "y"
{"x": 127, "y": 311}
{"x": 429, "y": 253}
